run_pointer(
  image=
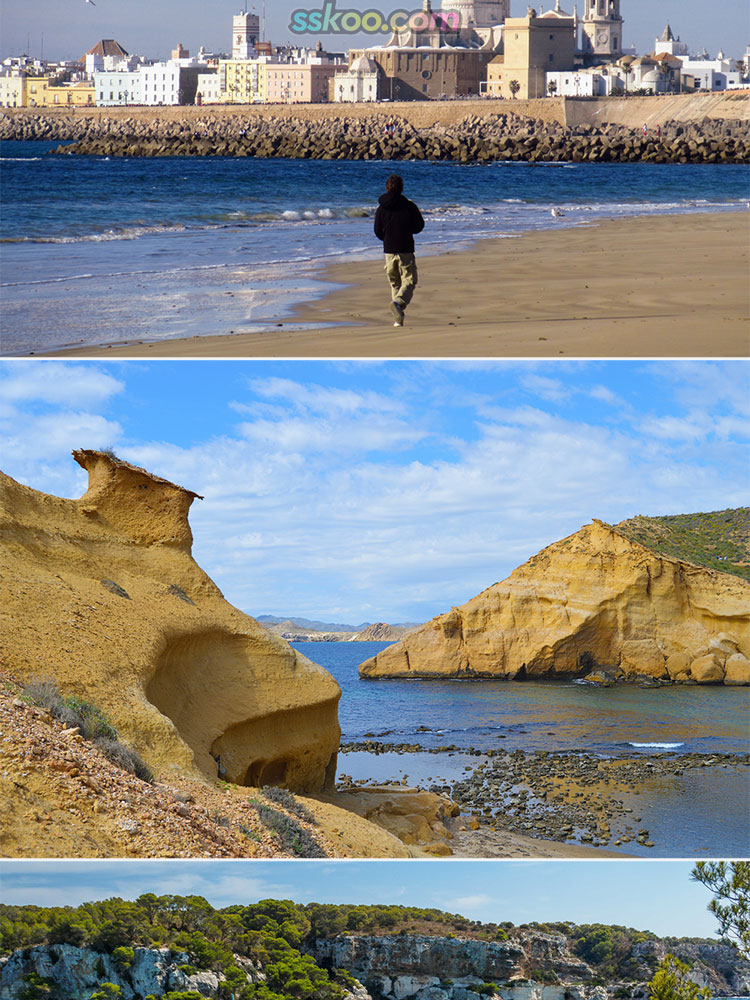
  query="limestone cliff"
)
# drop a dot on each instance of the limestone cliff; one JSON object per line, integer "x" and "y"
{"x": 595, "y": 599}
{"x": 102, "y": 595}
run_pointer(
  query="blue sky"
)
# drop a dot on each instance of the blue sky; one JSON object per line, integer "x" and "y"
{"x": 354, "y": 492}
{"x": 656, "y": 896}
{"x": 153, "y": 30}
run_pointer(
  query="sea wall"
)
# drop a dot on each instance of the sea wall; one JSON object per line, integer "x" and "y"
{"x": 481, "y": 136}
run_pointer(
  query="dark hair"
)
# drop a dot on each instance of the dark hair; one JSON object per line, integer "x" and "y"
{"x": 394, "y": 184}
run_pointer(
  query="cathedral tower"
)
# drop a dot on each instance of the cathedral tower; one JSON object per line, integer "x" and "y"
{"x": 602, "y": 30}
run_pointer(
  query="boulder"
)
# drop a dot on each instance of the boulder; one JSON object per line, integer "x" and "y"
{"x": 708, "y": 669}
{"x": 737, "y": 671}
{"x": 105, "y": 599}
{"x": 643, "y": 657}
{"x": 678, "y": 666}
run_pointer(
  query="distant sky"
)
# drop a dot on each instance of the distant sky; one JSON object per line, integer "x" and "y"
{"x": 387, "y": 491}
{"x": 72, "y": 27}
{"x": 647, "y": 895}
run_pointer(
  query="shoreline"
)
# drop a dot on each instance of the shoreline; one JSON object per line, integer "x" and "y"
{"x": 562, "y": 802}
{"x": 641, "y": 286}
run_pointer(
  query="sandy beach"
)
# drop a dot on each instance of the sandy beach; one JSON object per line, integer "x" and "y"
{"x": 657, "y": 286}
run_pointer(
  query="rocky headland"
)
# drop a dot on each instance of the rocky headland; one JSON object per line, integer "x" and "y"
{"x": 598, "y": 606}
{"x": 483, "y": 137}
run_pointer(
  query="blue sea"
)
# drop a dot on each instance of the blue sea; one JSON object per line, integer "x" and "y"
{"x": 98, "y": 251}
{"x": 704, "y": 814}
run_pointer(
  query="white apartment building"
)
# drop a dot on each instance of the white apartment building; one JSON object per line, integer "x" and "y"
{"x": 712, "y": 74}
{"x": 575, "y": 84}
{"x": 114, "y": 89}
{"x": 209, "y": 88}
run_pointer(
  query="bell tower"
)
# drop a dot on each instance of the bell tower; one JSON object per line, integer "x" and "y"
{"x": 601, "y": 27}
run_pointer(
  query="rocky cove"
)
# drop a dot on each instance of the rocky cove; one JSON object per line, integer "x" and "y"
{"x": 475, "y": 138}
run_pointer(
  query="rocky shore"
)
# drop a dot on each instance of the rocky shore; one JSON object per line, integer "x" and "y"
{"x": 571, "y": 796}
{"x": 475, "y": 139}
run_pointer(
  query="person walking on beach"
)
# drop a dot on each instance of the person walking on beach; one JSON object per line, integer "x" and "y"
{"x": 397, "y": 221}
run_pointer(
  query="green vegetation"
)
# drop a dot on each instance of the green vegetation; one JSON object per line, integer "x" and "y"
{"x": 719, "y": 540}
{"x": 92, "y": 723}
{"x": 730, "y": 884}
{"x": 671, "y": 982}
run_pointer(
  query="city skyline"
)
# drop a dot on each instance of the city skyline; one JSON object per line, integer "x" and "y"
{"x": 31, "y": 29}
{"x": 353, "y": 492}
{"x": 647, "y": 895}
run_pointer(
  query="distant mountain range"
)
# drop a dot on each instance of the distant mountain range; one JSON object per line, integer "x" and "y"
{"x": 306, "y": 624}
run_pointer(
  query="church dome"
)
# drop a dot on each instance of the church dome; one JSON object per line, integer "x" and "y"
{"x": 363, "y": 65}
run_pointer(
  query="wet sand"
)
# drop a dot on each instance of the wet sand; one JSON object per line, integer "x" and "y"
{"x": 656, "y": 286}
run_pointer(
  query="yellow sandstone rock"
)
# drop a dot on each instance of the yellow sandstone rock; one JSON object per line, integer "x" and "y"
{"x": 103, "y": 596}
{"x": 593, "y": 599}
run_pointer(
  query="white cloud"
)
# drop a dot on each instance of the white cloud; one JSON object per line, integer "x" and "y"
{"x": 65, "y": 384}
{"x": 548, "y": 388}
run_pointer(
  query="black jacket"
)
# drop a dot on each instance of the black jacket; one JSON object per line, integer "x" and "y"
{"x": 396, "y": 221}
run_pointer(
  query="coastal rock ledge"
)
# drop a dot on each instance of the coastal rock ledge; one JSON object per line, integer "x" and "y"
{"x": 597, "y": 606}
{"x": 101, "y": 595}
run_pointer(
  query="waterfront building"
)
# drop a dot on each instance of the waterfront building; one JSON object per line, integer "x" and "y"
{"x": 42, "y": 92}
{"x": 118, "y": 88}
{"x": 299, "y": 83}
{"x": 535, "y": 45}
{"x": 208, "y": 90}
{"x": 594, "y": 82}
{"x": 242, "y": 81}
{"x": 357, "y": 84}
{"x": 711, "y": 74}
{"x": 13, "y": 90}
{"x": 168, "y": 83}
{"x": 245, "y": 35}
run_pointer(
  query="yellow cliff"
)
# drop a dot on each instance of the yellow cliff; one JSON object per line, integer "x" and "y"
{"x": 102, "y": 595}
{"x": 593, "y": 600}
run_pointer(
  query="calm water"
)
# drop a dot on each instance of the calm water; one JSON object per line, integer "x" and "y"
{"x": 533, "y": 716}
{"x": 704, "y": 814}
{"x": 98, "y": 250}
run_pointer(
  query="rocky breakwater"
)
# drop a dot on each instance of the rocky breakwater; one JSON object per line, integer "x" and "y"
{"x": 423, "y": 967}
{"x": 103, "y": 597}
{"x": 475, "y": 139}
{"x": 595, "y": 605}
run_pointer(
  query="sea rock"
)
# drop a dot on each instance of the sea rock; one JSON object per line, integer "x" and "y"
{"x": 181, "y": 674}
{"x": 595, "y": 599}
{"x": 678, "y": 666}
{"x": 737, "y": 671}
{"x": 708, "y": 669}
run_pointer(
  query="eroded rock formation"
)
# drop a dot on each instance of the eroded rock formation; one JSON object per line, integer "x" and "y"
{"x": 593, "y": 600}
{"x": 102, "y": 595}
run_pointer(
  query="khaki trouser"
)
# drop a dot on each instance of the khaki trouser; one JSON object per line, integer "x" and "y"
{"x": 401, "y": 269}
